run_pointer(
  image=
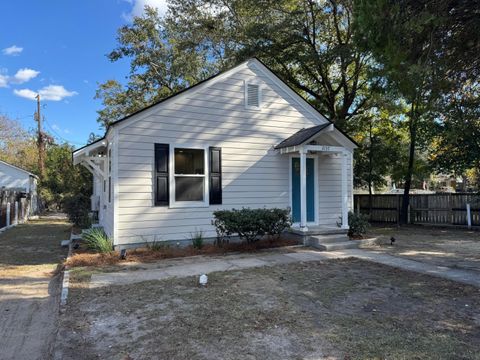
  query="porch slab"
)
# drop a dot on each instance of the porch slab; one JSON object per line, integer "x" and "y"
{"x": 319, "y": 230}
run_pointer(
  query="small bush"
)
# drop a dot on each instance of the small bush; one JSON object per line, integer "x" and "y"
{"x": 77, "y": 207}
{"x": 358, "y": 225}
{"x": 250, "y": 224}
{"x": 197, "y": 239}
{"x": 275, "y": 221}
{"x": 96, "y": 240}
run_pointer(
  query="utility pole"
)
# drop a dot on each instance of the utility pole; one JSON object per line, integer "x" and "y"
{"x": 40, "y": 141}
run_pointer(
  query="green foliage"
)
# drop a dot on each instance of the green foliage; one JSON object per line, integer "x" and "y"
{"x": 197, "y": 239}
{"x": 66, "y": 186}
{"x": 96, "y": 240}
{"x": 409, "y": 42}
{"x": 382, "y": 143}
{"x": 275, "y": 221}
{"x": 250, "y": 224}
{"x": 358, "y": 225}
{"x": 459, "y": 124}
{"x": 158, "y": 68}
{"x": 309, "y": 44}
{"x": 77, "y": 208}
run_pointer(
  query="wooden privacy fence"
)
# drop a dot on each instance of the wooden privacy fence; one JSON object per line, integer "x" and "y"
{"x": 442, "y": 209}
{"x": 14, "y": 208}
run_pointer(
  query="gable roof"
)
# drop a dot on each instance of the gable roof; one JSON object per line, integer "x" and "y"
{"x": 298, "y": 97}
{"x": 17, "y": 168}
{"x": 302, "y": 136}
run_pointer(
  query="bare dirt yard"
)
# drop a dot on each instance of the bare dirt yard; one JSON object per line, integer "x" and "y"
{"x": 455, "y": 248}
{"x": 333, "y": 309}
{"x": 29, "y": 287}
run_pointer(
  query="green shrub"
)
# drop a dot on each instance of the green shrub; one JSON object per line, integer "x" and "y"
{"x": 358, "y": 224}
{"x": 275, "y": 221}
{"x": 96, "y": 240}
{"x": 197, "y": 239}
{"x": 77, "y": 207}
{"x": 250, "y": 224}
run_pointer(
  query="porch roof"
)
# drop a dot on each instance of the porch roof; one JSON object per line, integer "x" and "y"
{"x": 303, "y": 136}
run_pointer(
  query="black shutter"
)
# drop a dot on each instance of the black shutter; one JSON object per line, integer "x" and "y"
{"x": 215, "y": 175}
{"x": 161, "y": 175}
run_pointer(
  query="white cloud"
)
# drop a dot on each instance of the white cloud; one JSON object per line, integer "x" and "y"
{"x": 25, "y": 93}
{"x": 138, "y": 8}
{"x": 55, "y": 92}
{"x": 50, "y": 92}
{"x": 3, "y": 80}
{"x": 12, "y": 50}
{"x": 24, "y": 75}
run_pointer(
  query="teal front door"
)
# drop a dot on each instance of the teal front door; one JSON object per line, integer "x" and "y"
{"x": 296, "y": 190}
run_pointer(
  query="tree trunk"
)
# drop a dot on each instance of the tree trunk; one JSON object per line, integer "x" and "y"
{"x": 370, "y": 171}
{"x": 411, "y": 159}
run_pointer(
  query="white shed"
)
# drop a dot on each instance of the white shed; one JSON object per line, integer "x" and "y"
{"x": 242, "y": 138}
{"x": 13, "y": 178}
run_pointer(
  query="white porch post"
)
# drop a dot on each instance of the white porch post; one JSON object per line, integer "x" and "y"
{"x": 344, "y": 180}
{"x": 303, "y": 189}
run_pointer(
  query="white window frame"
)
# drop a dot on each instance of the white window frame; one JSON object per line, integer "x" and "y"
{"x": 260, "y": 94}
{"x": 172, "y": 175}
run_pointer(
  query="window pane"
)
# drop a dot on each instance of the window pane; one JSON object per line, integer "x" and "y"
{"x": 188, "y": 188}
{"x": 189, "y": 161}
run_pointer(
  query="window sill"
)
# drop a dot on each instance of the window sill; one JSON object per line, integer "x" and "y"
{"x": 193, "y": 204}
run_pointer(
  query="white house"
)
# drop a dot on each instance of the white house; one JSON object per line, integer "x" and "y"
{"x": 13, "y": 178}
{"x": 242, "y": 138}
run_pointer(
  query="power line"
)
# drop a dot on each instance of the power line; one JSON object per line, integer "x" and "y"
{"x": 60, "y": 136}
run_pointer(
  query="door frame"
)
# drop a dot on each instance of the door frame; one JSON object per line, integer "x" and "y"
{"x": 315, "y": 188}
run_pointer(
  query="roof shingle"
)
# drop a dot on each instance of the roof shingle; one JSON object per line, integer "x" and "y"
{"x": 301, "y": 136}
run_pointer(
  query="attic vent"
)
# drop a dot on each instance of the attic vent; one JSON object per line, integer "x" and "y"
{"x": 252, "y": 95}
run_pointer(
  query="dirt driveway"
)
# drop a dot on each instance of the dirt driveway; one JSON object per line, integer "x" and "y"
{"x": 29, "y": 290}
{"x": 454, "y": 248}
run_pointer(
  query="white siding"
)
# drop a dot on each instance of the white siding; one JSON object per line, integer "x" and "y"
{"x": 330, "y": 188}
{"x": 11, "y": 177}
{"x": 253, "y": 174}
{"x": 108, "y": 206}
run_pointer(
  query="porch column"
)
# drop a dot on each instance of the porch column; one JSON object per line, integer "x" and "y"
{"x": 344, "y": 181}
{"x": 303, "y": 189}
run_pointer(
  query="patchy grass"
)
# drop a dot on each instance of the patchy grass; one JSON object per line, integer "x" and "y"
{"x": 450, "y": 247}
{"x": 337, "y": 309}
{"x": 159, "y": 251}
{"x": 34, "y": 243}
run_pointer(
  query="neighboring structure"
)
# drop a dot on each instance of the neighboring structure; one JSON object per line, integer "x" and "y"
{"x": 18, "y": 194}
{"x": 242, "y": 138}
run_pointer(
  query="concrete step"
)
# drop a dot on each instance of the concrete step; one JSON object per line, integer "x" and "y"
{"x": 328, "y": 239}
{"x": 319, "y": 231}
{"x": 332, "y": 242}
{"x": 338, "y": 246}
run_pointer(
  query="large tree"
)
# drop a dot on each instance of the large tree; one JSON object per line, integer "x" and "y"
{"x": 309, "y": 43}
{"x": 456, "y": 145}
{"x": 381, "y": 139}
{"x": 414, "y": 42}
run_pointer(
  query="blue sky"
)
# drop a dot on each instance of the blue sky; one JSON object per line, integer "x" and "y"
{"x": 57, "y": 48}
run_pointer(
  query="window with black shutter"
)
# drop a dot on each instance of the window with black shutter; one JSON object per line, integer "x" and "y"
{"x": 161, "y": 175}
{"x": 215, "y": 175}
